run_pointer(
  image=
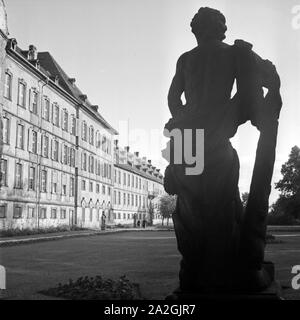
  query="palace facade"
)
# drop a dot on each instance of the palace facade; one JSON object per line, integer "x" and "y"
{"x": 59, "y": 163}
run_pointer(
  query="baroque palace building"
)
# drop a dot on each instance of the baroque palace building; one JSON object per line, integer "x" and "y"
{"x": 59, "y": 163}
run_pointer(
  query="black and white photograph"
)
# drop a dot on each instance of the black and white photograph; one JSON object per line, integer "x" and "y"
{"x": 150, "y": 153}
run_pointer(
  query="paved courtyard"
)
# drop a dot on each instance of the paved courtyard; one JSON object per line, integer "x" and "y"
{"x": 149, "y": 258}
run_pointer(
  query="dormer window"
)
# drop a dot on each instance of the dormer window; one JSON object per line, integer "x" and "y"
{"x": 72, "y": 81}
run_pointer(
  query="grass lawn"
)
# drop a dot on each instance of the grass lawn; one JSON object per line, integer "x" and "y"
{"x": 149, "y": 258}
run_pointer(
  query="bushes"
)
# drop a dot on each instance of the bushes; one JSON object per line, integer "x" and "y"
{"x": 27, "y": 231}
{"x": 281, "y": 219}
{"x": 89, "y": 288}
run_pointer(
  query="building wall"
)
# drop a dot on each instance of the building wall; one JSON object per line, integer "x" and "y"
{"x": 94, "y": 184}
{"x": 57, "y": 172}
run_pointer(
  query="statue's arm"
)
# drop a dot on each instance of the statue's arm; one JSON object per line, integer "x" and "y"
{"x": 176, "y": 90}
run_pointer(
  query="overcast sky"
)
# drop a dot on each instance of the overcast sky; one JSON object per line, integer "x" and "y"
{"x": 123, "y": 55}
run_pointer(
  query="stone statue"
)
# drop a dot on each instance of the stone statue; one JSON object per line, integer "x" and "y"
{"x": 222, "y": 245}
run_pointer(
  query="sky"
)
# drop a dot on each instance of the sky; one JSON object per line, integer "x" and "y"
{"x": 123, "y": 55}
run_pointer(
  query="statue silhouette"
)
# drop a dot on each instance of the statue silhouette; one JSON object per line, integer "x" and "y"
{"x": 222, "y": 245}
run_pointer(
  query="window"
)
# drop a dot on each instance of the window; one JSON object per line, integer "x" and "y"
{"x": 44, "y": 181}
{"x": 128, "y": 199}
{"x": 115, "y": 197}
{"x": 109, "y": 190}
{"x": 84, "y": 157}
{"x": 45, "y": 146}
{"x": 98, "y": 168}
{"x": 91, "y": 135}
{"x": 73, "y": 125}
{"x": 128, "y": 180}
{"x": 46, "y": 105}
{"x": 124, "y": 179}
{"x": 54, "y": 187}
{"x": 132, "y": 200}
{"x": 98, "y": 139}
{"x": 72, "y": 187}
{"x": 65, "y": 155}
{"x": 84, "y": 131}
{"x": 31, "y": 182}
{"x": 63, "y": 214}
{"x": 91, "y": 164}
{"x": 91, "y": 214}
{"x": 98, "y": 188}
{"x": 6, "y": 129}
{"x": 30, "y": 213}
{"x": 22, "y": 94}
{"x": 2, "y": 211}
{"x": 20, "y": 136}
{"x": 103, "y": 189}
{"x": 64, "y": 189}
{"x": 3, "y": 173}
{"x": 136, "y": 200}
{"x": 65, "y": 120}
{"x": 43, "y": 213}
{"x": 33, "y": 141}
{"x": 55, "y": 150}
{"x": 34, "y": 101}
{"x": 18, "y": 176}
{"x": 17, "y": 212}
{"x": 124, "y": 198}
{"x": 119, "y": 197}
{"x": 72, "y": 157}
{"x": 91, "y": 187}
{"x": 53, "y": 213}
{"x": 55, "y": 114}
{"x": 83, "y": 185}
{"x": 140, "y": 183}
{"x": 7, "y": 85}
{"x": 119, "y": 180}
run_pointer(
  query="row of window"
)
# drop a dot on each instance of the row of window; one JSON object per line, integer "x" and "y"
{"x": 19, "y": 213}
{"x": 128, "y": 179}
{"x": 130, "y": 216}
{"x": 90, "y": 187}
{"x": 32, "y": 179}
{"x": 92, "y": 165}
{"x": 67, "y": 153}
{"x": 129, "y": 199}
{"x": 54, "y": 114}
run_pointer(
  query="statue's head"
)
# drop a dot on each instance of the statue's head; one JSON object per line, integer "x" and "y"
{"x": 209, "y": 24}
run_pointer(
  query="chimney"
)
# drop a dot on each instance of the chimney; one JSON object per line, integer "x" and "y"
{"x": 32, "y": 53}
{"x": 72, "y": 81}
{"x": 136, "y": 154}
{"x": 127, "y": 148}
{"x": 83, "y": 97}
{"x": 95, "y": 107}
{"x": 149, "y": 161}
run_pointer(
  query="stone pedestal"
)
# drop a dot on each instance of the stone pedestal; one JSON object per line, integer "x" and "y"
{"x": 272, "y": 293}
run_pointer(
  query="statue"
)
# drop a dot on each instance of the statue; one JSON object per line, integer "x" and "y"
{"x": 222, "y": 245}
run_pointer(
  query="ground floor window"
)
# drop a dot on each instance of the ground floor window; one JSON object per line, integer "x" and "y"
{"x": 30, "y": 212}
{"x": 54, "y": 213}
{"x": 2, "y": 211}
{"x": 43, "y": 213}
{"x": 63, "y": 214}
{"x": 17, "y": 212}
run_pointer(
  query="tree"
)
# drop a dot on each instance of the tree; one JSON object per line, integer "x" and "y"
{"x": 167, "y": 207}
{"x": 245, "y": 196}
{"x": 288, "y": 204}
{"x": 289, "y": 185}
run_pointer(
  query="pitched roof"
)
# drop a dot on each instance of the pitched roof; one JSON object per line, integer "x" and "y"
{"x": 48, "y": 63}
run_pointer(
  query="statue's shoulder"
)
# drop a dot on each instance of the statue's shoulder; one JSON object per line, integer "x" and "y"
{"x": 242, "y": 45}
